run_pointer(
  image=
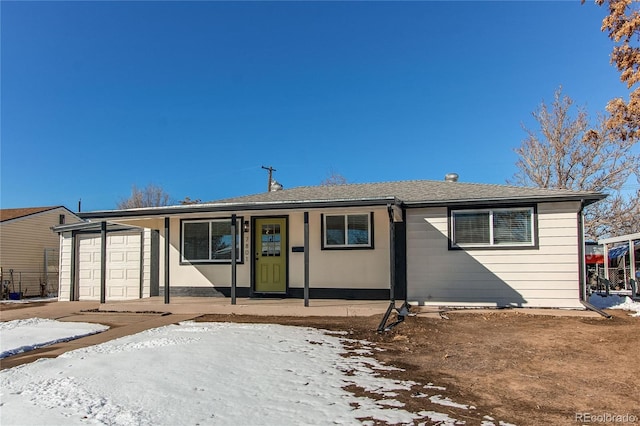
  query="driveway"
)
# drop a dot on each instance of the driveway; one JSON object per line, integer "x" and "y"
{"x": 120, "y": 323}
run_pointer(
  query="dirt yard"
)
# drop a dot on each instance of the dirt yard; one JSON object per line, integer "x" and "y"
{"x": 512, "y": 366}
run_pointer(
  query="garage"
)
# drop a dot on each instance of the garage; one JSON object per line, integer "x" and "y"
{"x": 126, "y": 262}
{"x": 123, "y": 267}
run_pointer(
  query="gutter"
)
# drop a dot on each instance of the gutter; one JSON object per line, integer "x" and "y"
{"x": 230, "y": 207}
{"x": 504, "y": 201}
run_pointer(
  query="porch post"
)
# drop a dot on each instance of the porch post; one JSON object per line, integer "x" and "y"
{"x": 103, "y": 261}
{"x": 306, "y": 258}
{"x": 632, "y": 264}
{"x": 167, "y": 247}
{"x": 606, "y": 261}
{"x": 233, "y": 258}
{"x": 392, "y": 255}
{"x": 74, "y": 265}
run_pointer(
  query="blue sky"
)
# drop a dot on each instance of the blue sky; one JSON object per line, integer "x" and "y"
{"x": 196, "y": 96}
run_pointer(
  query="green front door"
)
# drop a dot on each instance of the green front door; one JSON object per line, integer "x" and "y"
{"x": 271, "y": 255}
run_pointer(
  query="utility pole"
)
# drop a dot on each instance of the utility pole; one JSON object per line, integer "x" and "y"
{"x": 271, "y": 170}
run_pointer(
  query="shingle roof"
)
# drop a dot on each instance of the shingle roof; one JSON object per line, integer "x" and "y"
{"x": 413, "y": 192}
{"x": 8, "y": 214}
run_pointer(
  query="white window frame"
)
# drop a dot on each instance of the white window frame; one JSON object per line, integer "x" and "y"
{"x": 346, "y": 245}
{"x": 239, "y": 232}
{"x": 492, "y": 243}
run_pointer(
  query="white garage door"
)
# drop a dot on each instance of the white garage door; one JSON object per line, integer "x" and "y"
{"x": 123, "y": 266}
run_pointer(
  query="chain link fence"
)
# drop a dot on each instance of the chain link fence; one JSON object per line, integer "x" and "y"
{"x": 37, "y": 281}
{"x": 19, "y": 284}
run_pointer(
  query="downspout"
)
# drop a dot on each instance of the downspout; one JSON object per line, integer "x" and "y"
{"x": 582, "y": 271}
{"x": 583, "y": 266}
{"x": 234, "y": 242}
{"x": 403, "y": 311}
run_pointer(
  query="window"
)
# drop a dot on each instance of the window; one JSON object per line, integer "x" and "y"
{"x": 347, "y": 231}
{"x": 209, "y": 240}
{"x": 492, "y": 227}
{"x": 61, "y": 219}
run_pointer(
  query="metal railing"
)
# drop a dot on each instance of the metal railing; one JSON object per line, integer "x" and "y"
{"x": 604, "y": 285}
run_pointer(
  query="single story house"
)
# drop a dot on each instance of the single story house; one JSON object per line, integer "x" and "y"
{"x": 29, "y": 248}
{"x": 443, "y": 243}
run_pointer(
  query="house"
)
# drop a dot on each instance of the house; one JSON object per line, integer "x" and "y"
{"x": 428, "y": 242}
{"x": 29, "y": 248}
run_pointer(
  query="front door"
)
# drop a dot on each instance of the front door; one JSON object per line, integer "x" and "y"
{"x": 271, "y": 255}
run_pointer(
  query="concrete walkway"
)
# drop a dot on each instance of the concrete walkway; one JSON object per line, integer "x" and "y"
{"x": 120, "y": 323}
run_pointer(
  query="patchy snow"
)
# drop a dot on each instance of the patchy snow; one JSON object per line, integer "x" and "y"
{"x": 210, "y": 373}
{"x": 432, "y": 386}
{"x": 490, "y": 421}
{"x": 439, "y": 399}
{"x": 440, "y": 418}
{"x": 25, "y": 335}
{"x": 614, "y": 301}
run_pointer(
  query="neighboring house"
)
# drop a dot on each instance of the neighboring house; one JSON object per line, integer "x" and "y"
{"x": 434, "y": 242}
{"x": 29, "y": 248}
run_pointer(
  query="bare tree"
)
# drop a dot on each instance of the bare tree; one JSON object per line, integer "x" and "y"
{"x": 150, "y": 196}
{"x": 565, "y": 152}
{"x": 188, "y": 201}
{"x": 622, "y": 25}
{"x": 334, "y": 178}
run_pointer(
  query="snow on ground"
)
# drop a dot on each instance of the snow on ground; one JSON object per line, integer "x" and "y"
{"x": 25, "y": 335}
{"x": 614, "y": 301}
{"x": 209, "y": 373}
{"x": 29, "y": 300}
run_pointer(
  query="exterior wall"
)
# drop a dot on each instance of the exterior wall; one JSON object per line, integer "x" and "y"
{"x": 546, "y": 276}
{"x": 146, "y": 263}
{"x": 65, "y": 264}
{"x": 22, "y": 245}
{"x": 361, "y": 269}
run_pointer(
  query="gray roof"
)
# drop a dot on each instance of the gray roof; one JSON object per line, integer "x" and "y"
{"x": 414, "y": 193}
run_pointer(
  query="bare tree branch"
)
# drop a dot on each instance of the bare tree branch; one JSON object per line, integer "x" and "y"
{"x": 565, "y": 152}
{"x": 334, "y": 178}
{"x": 150, "y": 196}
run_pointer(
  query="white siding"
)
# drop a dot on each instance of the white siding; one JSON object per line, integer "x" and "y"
{"x": 146, "y": 264}
{"x": 546, "y": 276}
{"x": 22, "y": 245}
{"x": 64, "y": 289}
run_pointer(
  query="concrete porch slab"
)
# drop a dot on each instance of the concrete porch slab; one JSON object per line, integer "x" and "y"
{"x": 246, "y": 306}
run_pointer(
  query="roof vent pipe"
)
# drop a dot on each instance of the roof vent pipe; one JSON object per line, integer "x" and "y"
{"x": 451, "y": 177}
